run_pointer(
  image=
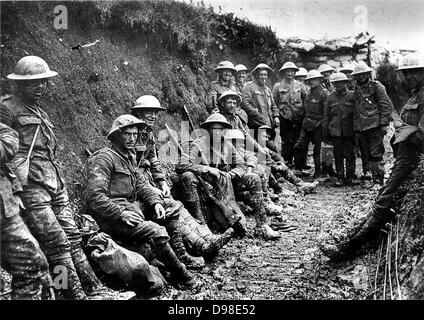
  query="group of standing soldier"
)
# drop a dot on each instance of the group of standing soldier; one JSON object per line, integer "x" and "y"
{"x": 234, "y": 160}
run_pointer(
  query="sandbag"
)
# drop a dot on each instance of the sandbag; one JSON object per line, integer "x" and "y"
{"x": 129, "y": 266}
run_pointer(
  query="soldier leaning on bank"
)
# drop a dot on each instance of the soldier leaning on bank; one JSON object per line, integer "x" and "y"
{"x": 338, "y": 128}
{"x": 410, "y": 139}
{"x": 289, "y": 95}
{"x": 372, "y": 115}
{"x": 48, "y": 214}
{"x": 21, "y": 255}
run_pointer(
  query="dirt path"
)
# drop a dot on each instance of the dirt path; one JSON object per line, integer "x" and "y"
{"x": 292, "y": 267}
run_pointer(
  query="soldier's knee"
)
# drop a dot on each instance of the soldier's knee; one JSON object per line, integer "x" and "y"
{"x": 157, "y": 233}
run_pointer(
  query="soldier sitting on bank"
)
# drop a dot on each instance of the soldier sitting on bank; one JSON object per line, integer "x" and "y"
{"x": 124, "y": 204}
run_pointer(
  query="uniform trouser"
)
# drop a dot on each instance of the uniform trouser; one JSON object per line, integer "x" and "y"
{"x": 302, "y": 144}
{"x": 358, "y": 148}
{"x": 51, "y": 221}
{"x": 408, "y": 157}
{"x": 248, "y": 187}
{"x": 289, "y": 132}
{"x": 371, "y": 144}
{"x": 22, "y": 257}
{"x": 343, "y": 149}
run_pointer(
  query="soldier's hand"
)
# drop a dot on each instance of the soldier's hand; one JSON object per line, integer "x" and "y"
{"x": 160, "y": 211}
{"x": 131, "y": 218}
{"x": 276, "y": 122}
{"x": 398, "y": 124}
{"x": 166, "y": 191}
{"x": 214, "y": 171}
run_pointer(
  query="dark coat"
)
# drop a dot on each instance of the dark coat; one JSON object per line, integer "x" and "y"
{"x": 313, "y": 108}
{"x": 338, "y": 115}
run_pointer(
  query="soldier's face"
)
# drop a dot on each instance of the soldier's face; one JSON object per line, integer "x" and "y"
{"x": 32, "y": 90}
{"x": 314, "y": 82}
{"x": 241, "y": 76}
{"x": 230, "y": 105}
{"x": 362, "y": 77}
{"x": 414, "y": 77}
{"x": 128, "y": 137}
{"x": 262, "y": 77}
{"x": 216, "y": 131}
{"x": 340, "y": 85}
{"x": 289, "y": 74}
{"x": 226, "y": 75}
{"x": 148, "y": 115}
{"x": 263, "y": 136}
{"x": 300, "y": 78}
{"x": 326, "y": 74}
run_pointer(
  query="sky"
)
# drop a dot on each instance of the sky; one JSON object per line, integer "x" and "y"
{"x": 397, "y": 24}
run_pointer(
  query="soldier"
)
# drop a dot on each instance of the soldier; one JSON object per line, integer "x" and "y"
{"x": 258, "y": 102}
{"x": 21, "y": 255}
{"x": 410, "y": 137}
{"x": 124, "y": 204}
{"x": 211, "y": 158}
{"x": 338, "y": 127}
{"x": 288, "y": 95}
{"x": 226, "y": 73}
{"x": 326, "y": 72}
{"x": 347, "y": 70}
{"x": 313, "y": 109}
{"x": 48, "y": 214}
{"x": 241, "y": 77}
{"x": 300, "y": 76}
{"x": 146, "y": 108}
{"x": 372, "y": 115}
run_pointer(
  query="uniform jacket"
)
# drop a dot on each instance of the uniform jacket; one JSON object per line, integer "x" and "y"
{"x": 412, "y": 115}
{"x": 147, "y": 159}
{"x": 338, "y": 115}
{"x": 259, "y": 104}
{"x": 215, "y": 90}
{"x": 25, "y": 119}
{"x": 111, "y": 180}
{"x": 289, "y": 98}
{"x": 9, "y": 145}
{"x": 313, "y": 108}
{"x": 373, "y": 107}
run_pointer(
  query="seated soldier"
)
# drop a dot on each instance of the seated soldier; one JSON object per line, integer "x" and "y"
{"x": 199, "y": 238}
{"x": 210, "y": 159}
{"x": 278, "y": 167}
{"x": 121, "y": 201}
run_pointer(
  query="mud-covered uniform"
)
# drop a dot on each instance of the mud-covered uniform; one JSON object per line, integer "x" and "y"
{"x": 338, "y": 126}
{"x": 48, "y": 214}
{"x": 21, "y": 255}
{"x": 289, "y": 98}
{"x": 373, "y": 110}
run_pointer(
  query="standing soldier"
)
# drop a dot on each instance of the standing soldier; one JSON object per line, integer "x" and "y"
{"x": 338, "y": 128}
{"x": 300, "y": 76}
{"x": 313, "y": 108}
{"x": 21, "y": 255}
{"x": 347, "y": 70}
{"x": 258, "y": 102}
{"x": 410, "y": 137}
{"x": 326, "y": 72}
{"x": 241, "y": 77}
{"x": 123, "y": 203}
{"x": 48, "y": 214}
{"x": 146, "y": 108}
{"x": 226, "y": 73}
{"x": 288, "y": 95}
{"x": 372, "y": 115}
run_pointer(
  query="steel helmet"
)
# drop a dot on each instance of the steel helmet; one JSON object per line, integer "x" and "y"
{"x": 325, "y": 68}
{"x": 266, "y": 127}
{"x": 241, "y": 67}
{"x": 216, "y": 117}
{"x": 262, "y": 66}
{"x": 338, "y": 76}
{"x": 302, "y": 72}
{"x": 288, "y": 65}
{"x": 361, "y": 67}
{"x": 346, "y": 69}
{"x": 313, "y": 74}
{"x": 31, "y": 68}
{"x": 225, "y": 65}
{"x": 147, "y": 102}
{"x": 122, "y": 122}
{"x": 412, "y": 61}
{"x": 235, "y": 134}
{"x": 229, "y": 93}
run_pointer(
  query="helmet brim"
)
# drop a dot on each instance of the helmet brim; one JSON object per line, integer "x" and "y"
{"x": 312, "y": 78}
{"x": 225, "y": 68}
{"x": 281, "y": 70}
{"x": 45, "y": 75}
{"x": 206, "y": 124}
{"x": 409, "y": 68}
{"x": 139, "y": 125}
{"x": 147, "y": 108}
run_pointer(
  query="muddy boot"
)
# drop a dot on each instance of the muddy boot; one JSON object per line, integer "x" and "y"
{"x": 338, "y": 182}
{"x": 176, "y": 240}
{"x": 306, "y": 187}
{"x": 265, "y": 231}
{"x": 262, "y": 229}
{"x": 271, "y": 208}
{"x": 211, "y": 247}
{"x": 348, "y": 249}
{"x": 195, "y": 210}
{"x": 350, "y": 181}
{"x": 179, "y": 274}
{"x": 73, "y": 289}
